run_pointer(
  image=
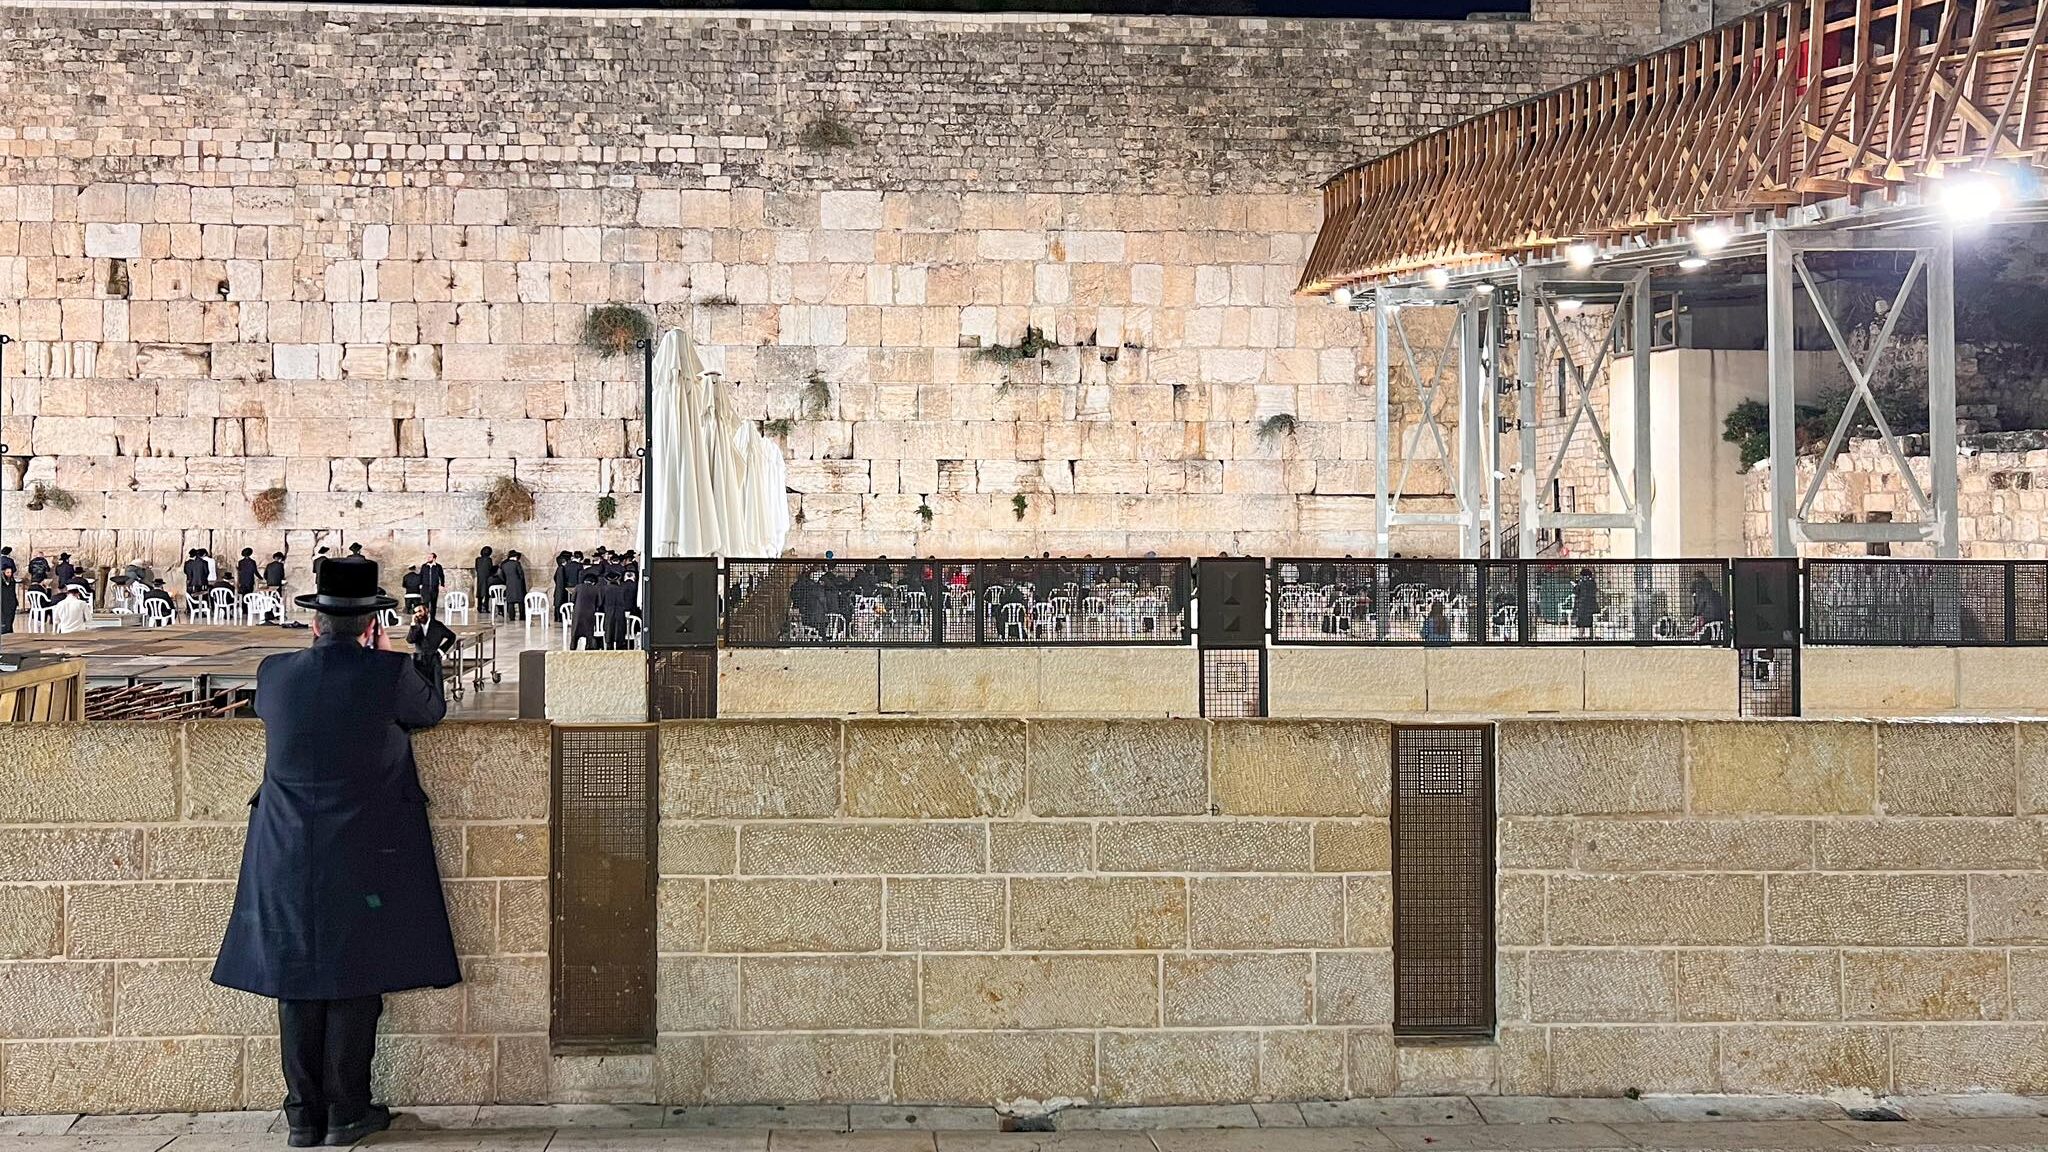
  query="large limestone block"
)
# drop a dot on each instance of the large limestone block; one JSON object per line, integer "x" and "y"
{"x": 828, "y": 992}
{"x": 1353, "y": 846}
{"x": 1055, "y": 991}
{"x": 1481, "y": 681}
{"x": 1924, "y": 984}
{"x": 2001, "y": 681}
{"x": 749, "y": 768}
{"x": 1929, "y": 845}
{"x": 1083, "y": 913}
{"x": 1302, "y": 1064}
{"x": 110, "y": 1076}
{"x": 1782, "y": 767}
{"x": 1118, "y": 768}
{"x": 486, "y": 770}
{"x": 1947, "y": 769}
{"x": 960, "y": 681}
{"x": 1624, "y": 986}
{"x": 433, "y": 1069}
{"x": 1672, "y": 680}
{"x": 1224, "y": 989}
{"x": 1355, "y": 987}
{"x": 1204, "y": 846}
{"x": 596, "y": 687}
{"x": 1034, "y": 846}
{"x": 1691, "y": 845}
{"x": 1938, "y": 1058}
{"x": 995, "y": 1068}
{"x": 2033, "y": 756}
{"x": 798, "y": 681}
{"x": 1656, "y": 910}
{"x": 2010, "y": 909}
{"x": 795, "y": 915}
{"x": 177, "y": 998}
{"x": 50, "y": 1001}
{"x": 1805, "y": 1059}
{"x": 1317, "y": 682}
{"x": 1179, "y": 1067}
{"x": 29, "y": 854}
{"x": 1599, "y": 1060}
{"x": 814, "y": 848}
{"x": 1589, "y": 767}
{"x": 696, "y": 993}
{"x": 95, "y": 772}
{"x": 805, "y": 1068}
{"x": 31, "y": 921}
{"x": 1877, "y": 681}
{"x": 147, "y": 921}
{"x": 1862, "y": 910}
{"x": 1759, "y": 984}
{"x": 1446, "y": 1069}
{"x": 1112, "y": 681}
{"x": 1302, "y": 768}
{"x": 934, "y": 768}
{"x": 945, "y": 914}
{"x": 1267, "y": 912}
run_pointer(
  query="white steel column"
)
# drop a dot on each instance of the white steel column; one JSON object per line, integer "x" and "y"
{"x": 1382, "y": 435}
{"x": 1642, "y": 485}
{"x": 1526, "y": 341}
{"x": 1473, "y": 472}
{"x": 1941, "y": 395}
{"x": 1778, "y": 337}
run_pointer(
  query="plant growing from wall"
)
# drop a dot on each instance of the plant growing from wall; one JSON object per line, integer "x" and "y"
{"x": 719, "y": 300}
{"x": 1276, "y": 426}
{"x": 1030, "y": 346}
{"x": 816, "y": 398}
{"x": 826, "y": 133}
{"x": 607, "y": 507}
{"x": 51, "y": 497}
{"x": 616, "y": 328}
{"x": 268, "y": 505}
{"x": 924, "y": 510}
{"x": 509, "y": 502}
{"x": 780, "y": 427}
{"x": 1020, "y": 505}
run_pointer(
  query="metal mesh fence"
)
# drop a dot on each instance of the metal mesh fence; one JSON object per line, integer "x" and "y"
{"x": 1084, "y": 601}
{"x": 1769, "y": 682}
{"x": 1501, "y": 602}
{"x": 1233, "y": 682}
{"x": 801, "y": 602}
{"x": 1905, "y": 602}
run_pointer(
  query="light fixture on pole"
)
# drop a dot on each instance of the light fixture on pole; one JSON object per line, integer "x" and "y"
{"x": 1692, "y": 263}
{"x": 1579, "y": 255}
{"x": 1341, "y": 297}
{"x": 1438, "y": 279}
{"x": 1711, "y": 238}
{"x": 1972, "y": 197}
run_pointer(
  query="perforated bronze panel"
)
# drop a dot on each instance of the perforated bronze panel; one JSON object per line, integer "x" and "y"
{"x": 682, "y": 684}
{"x": 1443, "y": 880}
{"x": 603, "y": 833}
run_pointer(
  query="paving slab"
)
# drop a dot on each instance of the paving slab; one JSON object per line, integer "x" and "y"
{"x": 662, "y": 1140}
{"x": 569, "y": 1116}
{"x": 55, "y": 1125}
{"x": 821, "y": 1117}
{"x": 1278, "y": 1115}
{"x": 1402, "y": 1111}
{"x": 787, "y": 1141}
{"x": 422, "y": 1118}
{"x": 1043, "y": 1142}
{"x": 142, "y": 1142}
{"x": 1988, "y": 1105}
{"x": 1272, "y": 1140}
{"x": 173, "y": 1123}
{"x": 1710, "y": 1108}
{"x": 1979, "y": 1131}
{"x": 462, "y": 1140}
{"x": 1464, "y": 1137}
{"x": 1561, "y": 1110}
{"x": 924, "y": 1118}
{"x": 1167, "y": 1116}
{"x": 1739, "y": 1134}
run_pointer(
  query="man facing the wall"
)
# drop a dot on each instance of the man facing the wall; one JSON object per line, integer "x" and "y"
{"x": 339, "y": 900}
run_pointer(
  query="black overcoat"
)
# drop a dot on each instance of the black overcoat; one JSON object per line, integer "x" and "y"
{"x": 432, "y": 577}
{"x": 339, "y": 894}
{"x": 514, "y": 571}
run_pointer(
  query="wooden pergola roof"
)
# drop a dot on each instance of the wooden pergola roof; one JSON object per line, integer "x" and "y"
{"x": 1796, "y": 103}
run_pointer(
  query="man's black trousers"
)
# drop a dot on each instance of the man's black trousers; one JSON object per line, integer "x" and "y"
{"x": 327, "y": 1046}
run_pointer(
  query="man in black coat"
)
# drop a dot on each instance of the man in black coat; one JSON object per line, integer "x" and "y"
{"x": 618, "y": 600}
{"x": 245, "y": 572}
{"x": 195, "y": 575}
{"x": 589, "y": 605}
{"x": 339, "y": 900}
{"x": 514, "y": 572}
{"x": 486, "y": 569}
{"x": 432, "y": 578}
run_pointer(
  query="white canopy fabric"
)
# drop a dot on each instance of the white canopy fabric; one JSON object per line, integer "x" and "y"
{"x": 715, "y": 486}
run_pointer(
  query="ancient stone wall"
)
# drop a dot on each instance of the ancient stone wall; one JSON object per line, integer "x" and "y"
{"x": 2002, "y": 501}
{"x": 1120, "y": 911}
{"x": 350, "y": 253}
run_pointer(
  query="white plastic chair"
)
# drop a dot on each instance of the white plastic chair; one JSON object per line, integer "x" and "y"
{"x": 224, "y": 606}
{"x": 198, "y": 608}
{"x": 497, "y": 612}
{"x": 568, "y": 615}
{"x": 158, "y": 614}
{"x": 632, "y": 631}
{"x": 597, "y": 633}
{"x": 536, "y": 609}
{"x": 39, "y": 614}
{"x": 454, "y": 605}
{"x": 389, "y": 617}
{"x": 257, "y": 606}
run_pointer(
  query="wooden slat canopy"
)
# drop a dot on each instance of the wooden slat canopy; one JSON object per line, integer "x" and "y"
{"x": 1795, "y": 103}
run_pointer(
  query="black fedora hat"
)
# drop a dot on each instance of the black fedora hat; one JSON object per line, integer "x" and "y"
{"x": 347, "y": 586}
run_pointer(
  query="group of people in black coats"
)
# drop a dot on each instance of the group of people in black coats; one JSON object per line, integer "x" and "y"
{"x": 603, "y": 586}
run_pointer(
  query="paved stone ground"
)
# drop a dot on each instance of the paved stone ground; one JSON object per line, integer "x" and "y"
{"x": 1429, "y": 1124}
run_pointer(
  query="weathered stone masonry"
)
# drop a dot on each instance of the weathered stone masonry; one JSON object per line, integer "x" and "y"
{"x": 349, "y": 252}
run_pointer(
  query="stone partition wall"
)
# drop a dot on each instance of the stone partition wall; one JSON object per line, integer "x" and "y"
{"x": 350, "y": 252}
{"x": 1121, "y": 911}
{"x": 119, "y": 846}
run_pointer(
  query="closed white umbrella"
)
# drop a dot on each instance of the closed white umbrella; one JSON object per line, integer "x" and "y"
{"x": 677, "y": 484}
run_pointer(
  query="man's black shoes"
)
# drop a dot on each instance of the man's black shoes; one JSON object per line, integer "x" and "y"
{"x": 376, "y": 1120}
